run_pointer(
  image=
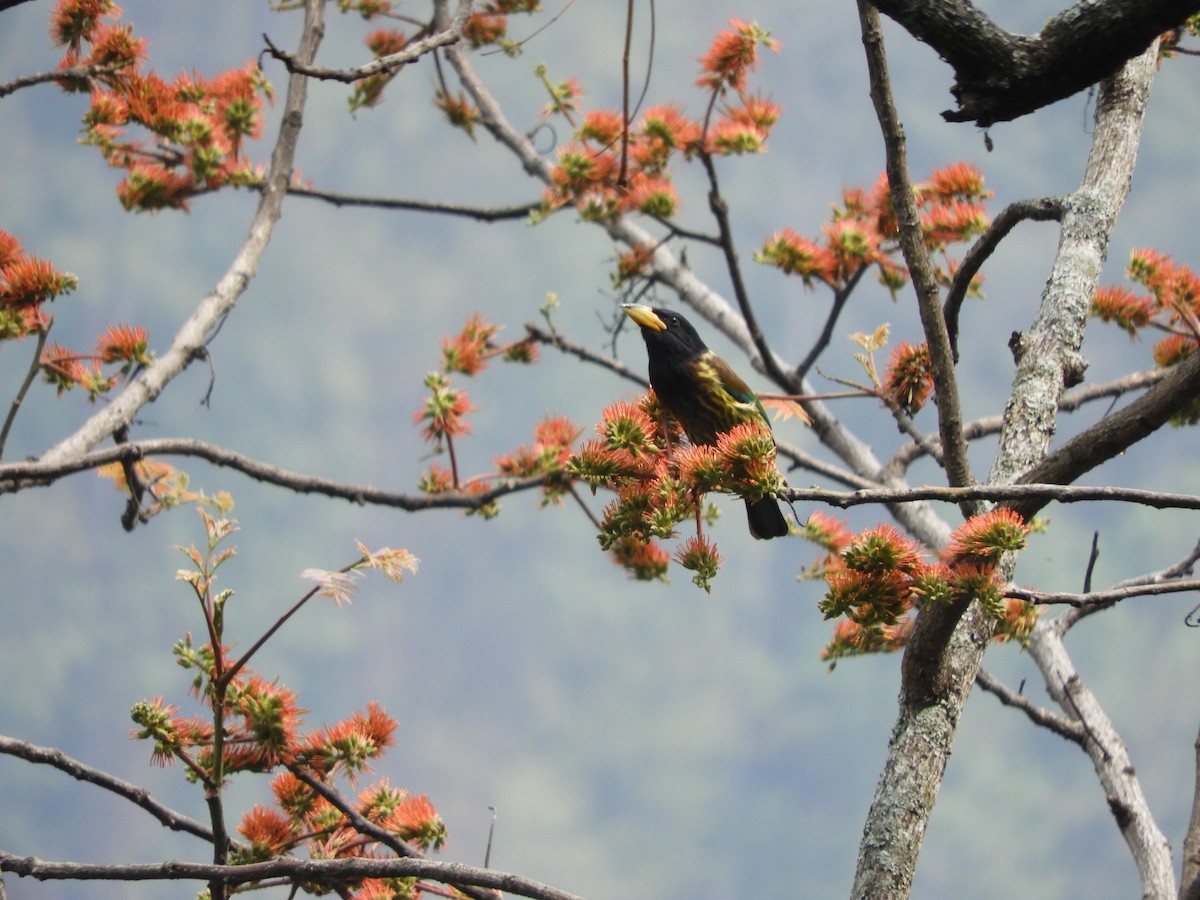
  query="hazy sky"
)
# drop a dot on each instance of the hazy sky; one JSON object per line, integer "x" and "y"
{"x": 637, "y": 740}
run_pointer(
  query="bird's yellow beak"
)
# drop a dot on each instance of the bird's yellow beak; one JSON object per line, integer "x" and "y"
{"x": 644, "y": 316}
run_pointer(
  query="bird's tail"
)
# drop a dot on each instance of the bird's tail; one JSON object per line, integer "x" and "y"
{"x": 766, "y": 518}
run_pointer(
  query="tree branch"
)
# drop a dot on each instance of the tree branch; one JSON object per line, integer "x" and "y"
{"x": 1071, "y": 400}
{"x": 1114, "y": 434}
{"x": 1000, "y": 76}
{"x": 80, "y": 74}
{"x": 1110, "y": 759}
{"x": 916, "y": 255}
{"x": 51, "y": 756}
{"x": 1038, "y": 715}
{"x": 946, "y": 646}
{"x": 1172, "y": 574}
{"x": 17, "y": 476}
{"x": 322, "y": 871}
{"x": 1189, "y": 881}
{"x": 383, "y": 65}
{"x": 481, "y": 213}
{"x": 1096, "y": 600}
{"x": 189, "y": 342}
{"x": 1043, "y": 210}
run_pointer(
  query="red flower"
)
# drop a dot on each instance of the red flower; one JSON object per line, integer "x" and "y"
{"x": 960, "y": 181}
{"x": 445, "y": 410}
{"x": 269, "y": 833}
{"x": 796, "y": 255}
{"x": 986, "y": 537}
{"x": 652, "y": 196}
{"x": 1121, "y": 306}
{"x": 645, "y": 560}
{"x": 909, "y": 379}
{"x": 28, "y": 281}
{"x": 700, "y": 556}
{"x": 416, "y": 820}
{"x": 603, "y": 126}
{"x": 733, "y": 55}
{"x": 124, "y": 343}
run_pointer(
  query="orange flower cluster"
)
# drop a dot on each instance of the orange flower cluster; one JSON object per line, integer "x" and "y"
{"x": 443, "y": 419}
{"x": 254, "y": 725}
{"x": 909, "y": 379}
{"x": 198, "y": 125}
{"x": 863, "y": 231}
{"x": 1171, "y": 304}
{"x": 26, "y": 284}
{"x": 876, "y": 578}
{"x": 490, "y": 24}
{"x": 612, "y": 167}
{"x": 124, "y": 344}
{"x": 660, "y": 481}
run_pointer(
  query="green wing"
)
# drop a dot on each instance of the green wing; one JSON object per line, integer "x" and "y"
{"x": 733, "y": 385}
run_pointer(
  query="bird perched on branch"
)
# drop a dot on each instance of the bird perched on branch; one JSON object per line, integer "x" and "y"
{"x": 703, "y": 393}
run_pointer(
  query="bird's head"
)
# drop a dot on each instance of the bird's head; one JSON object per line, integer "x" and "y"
{"x": 669, "y": 336}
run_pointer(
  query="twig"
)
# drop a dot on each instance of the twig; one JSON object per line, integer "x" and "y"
{"x": 17, "y": 476}
{"x": 720, "y": 211}
{"x": 34, "y": 365}
{"x": 1096, "y": 600}
{"x": 1039, "y": 715}
{"x": 71, "y": 73}
{"x": 51, "y": 756}
{"x": 323, "y": 871}
{"x": 553, "y": 339}
{"x": 481, "y": 213}
{"x": 840, "y": 298}
{"x": 916, "y": 256}
{"x": 1171, "y": 575}
{"x": 1071, "y": 401}
{"x": 384, "y": 64}
{"x": 1042, "y": 210}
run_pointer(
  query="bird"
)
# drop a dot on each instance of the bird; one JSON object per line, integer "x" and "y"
{"x": 702, "y": 392}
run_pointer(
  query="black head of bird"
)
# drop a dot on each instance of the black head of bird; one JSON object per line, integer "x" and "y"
{"x": 703, "y": 393}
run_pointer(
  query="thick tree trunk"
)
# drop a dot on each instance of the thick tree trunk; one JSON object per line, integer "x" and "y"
{"x": 947, "y": 645}
{"x": 1000, "y": 76}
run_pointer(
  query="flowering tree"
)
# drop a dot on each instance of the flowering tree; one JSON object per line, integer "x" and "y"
{"x": 936, "y": 590}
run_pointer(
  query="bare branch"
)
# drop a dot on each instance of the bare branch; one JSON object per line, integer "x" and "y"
{"x": 384, "y": 65}
{"x": 1072, "y": 400}
{"x": 1110, "y": 758}
{"x": 556, "y": 340}
{"x": 1096, "y": 600}
{"x": 1114, "y": 434}
{"x": 1189, "y": 881}
{"x": 1045, "y": 209}
{"x": 1170, "y": 575}
{"x": 840, "y": 298}
{"x": 720, "y": 211}
{"x": 916, "y": 256}
{"x": 1038, "y": 715}
{"x": 322, "y": 871}
{"x": 77, "y": 74}
{"x": 30, "y": 375}
{"x": 481, "y": 213}
{"x": 1001, "y": 76}
{"x": 16, "y": 476}
{"x": 51, "y": 756}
